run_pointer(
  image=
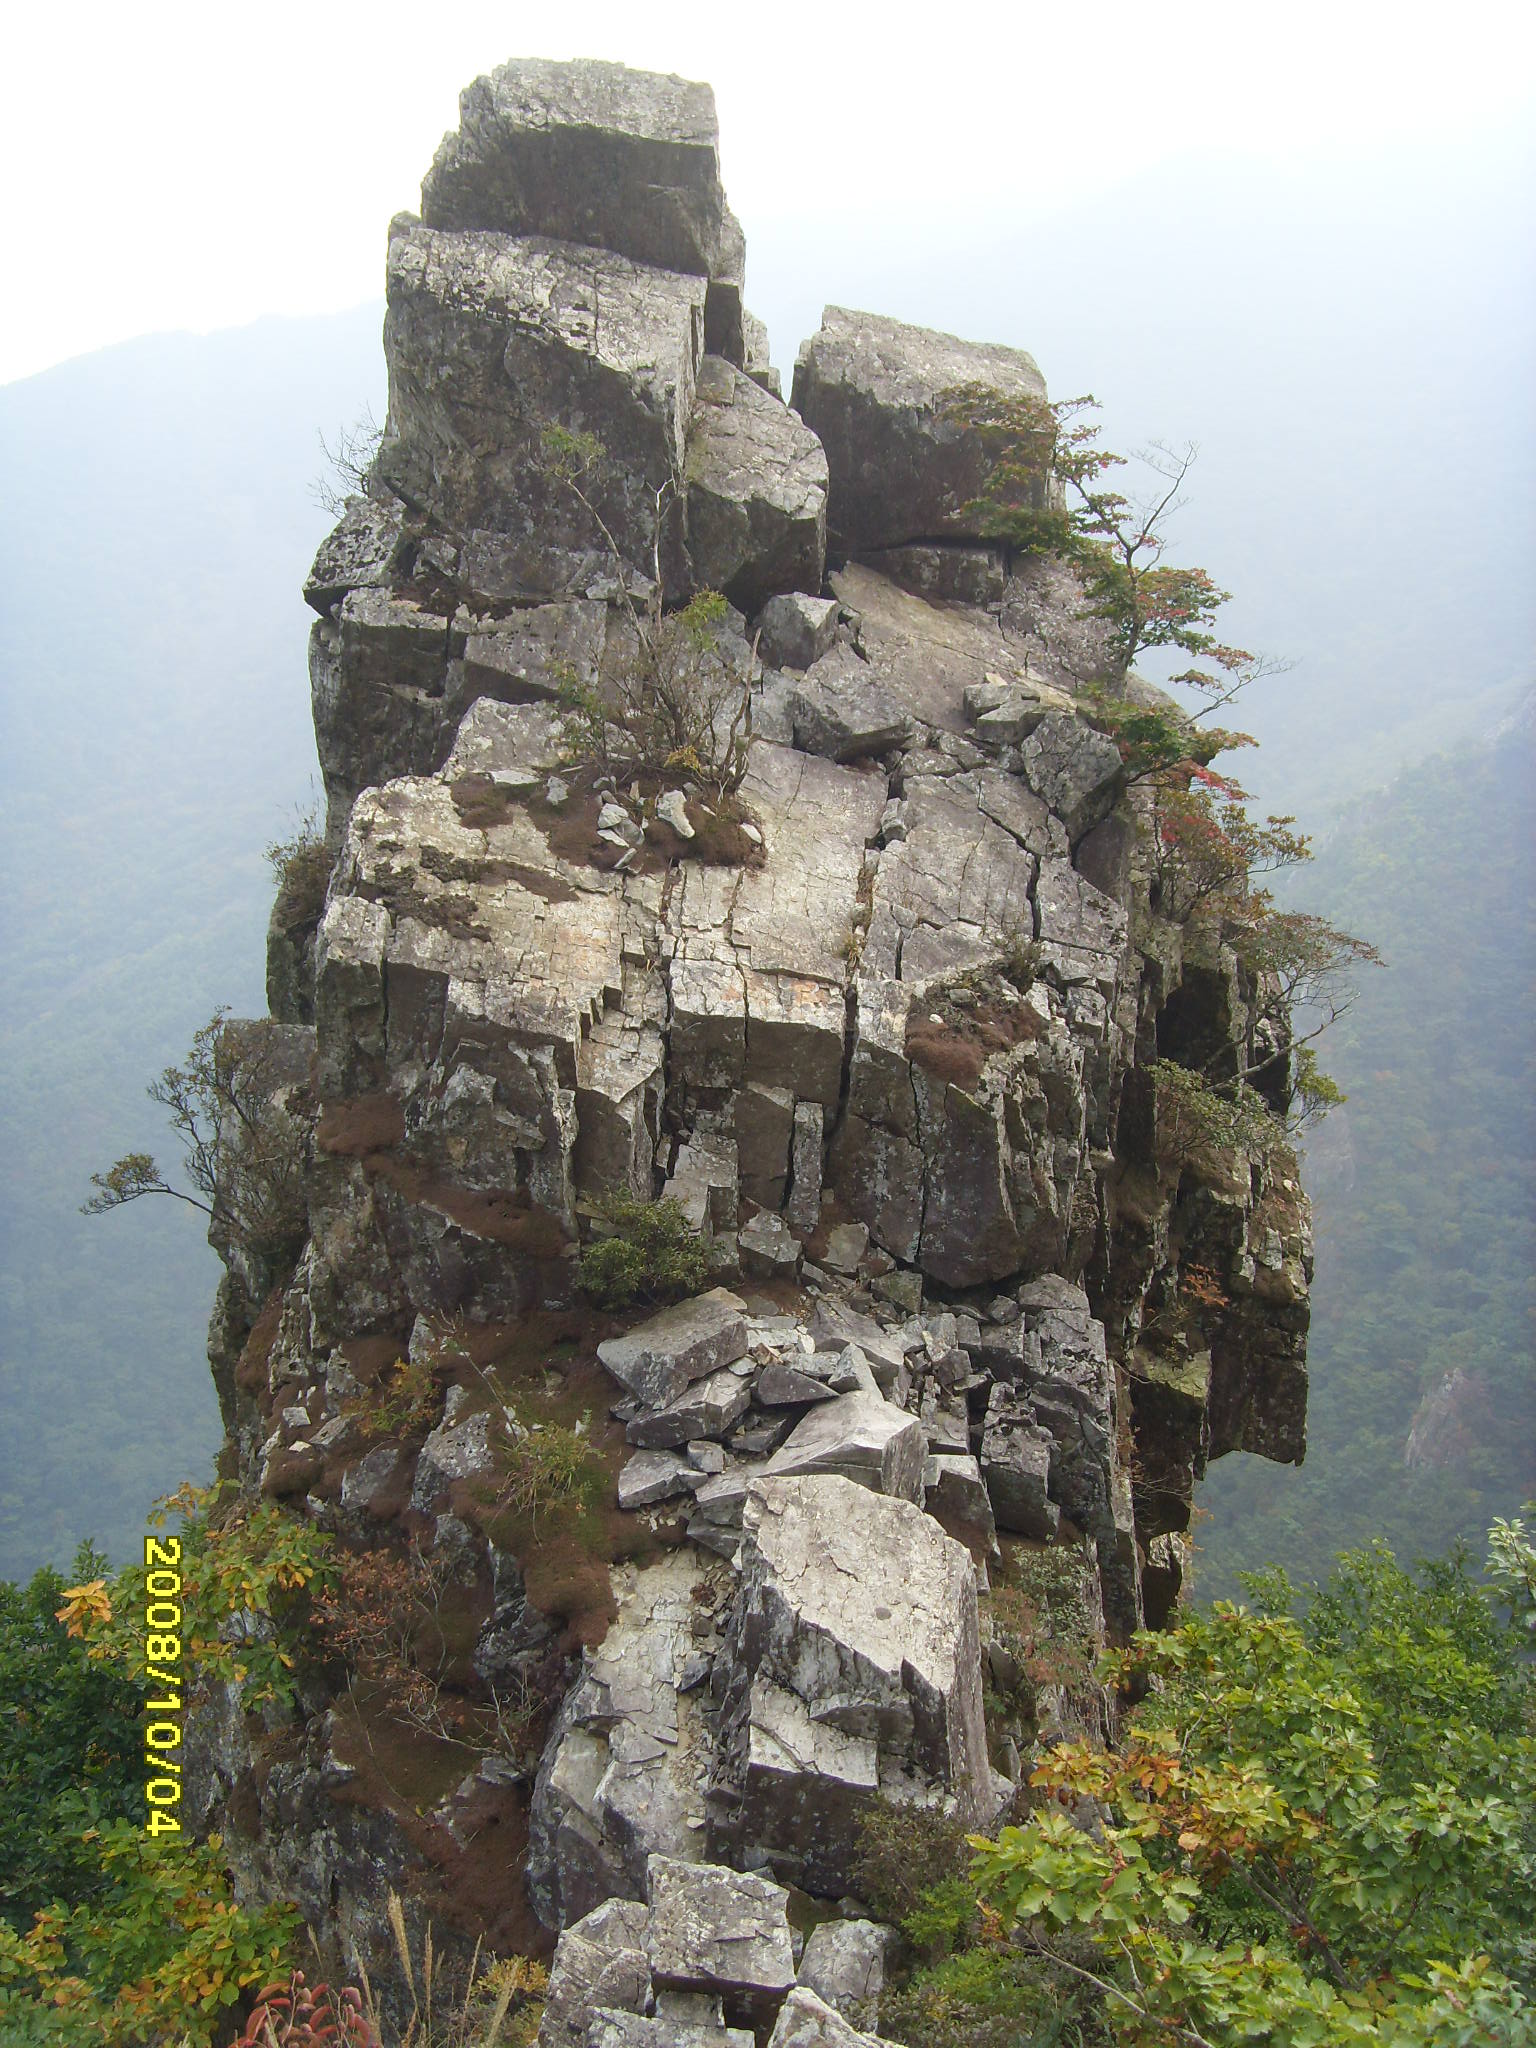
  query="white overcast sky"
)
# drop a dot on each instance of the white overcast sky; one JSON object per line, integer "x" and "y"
{"x": 172, "y": 166}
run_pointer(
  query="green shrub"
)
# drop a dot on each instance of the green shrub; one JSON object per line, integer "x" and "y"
{"x": 549, "y": 1465}
{"x": 302, "y": 865}
{"x": 653, "y": 1255}
{"x": 990, "y": 1996}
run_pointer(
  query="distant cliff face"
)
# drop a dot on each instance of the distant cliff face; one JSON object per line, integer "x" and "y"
{"x": 879, "y": 1019}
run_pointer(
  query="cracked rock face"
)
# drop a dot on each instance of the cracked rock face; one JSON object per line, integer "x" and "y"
{"x": 884, "y": 1029}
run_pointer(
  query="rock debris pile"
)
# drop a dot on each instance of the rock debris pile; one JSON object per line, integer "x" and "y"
{"x": 880, "y": 1023}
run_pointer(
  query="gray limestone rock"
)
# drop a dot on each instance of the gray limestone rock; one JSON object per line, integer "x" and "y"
{"x": 851, "y": 1682}
{"x": 844, "y": 1964}
{"x": 808, "y": 2021}
{"x": 765, "y": 1119}
{"x": 767, "y": 1246}
{"x": 846, "y": 1245}
{"x": 623, "y": 1771}
{"x": 663, "y": 2029}
{"x": 757, "y": 491}
{"x": 600, "y": 1962}
{"x": 875, "y": 390}
{"x": 835, "y": 1325}
{"x": 705, "y": 1409}
{"x": 677, "y": 1345}
{"x": 714, "y": 1929}
{"x": 588, "y": 152}
{"x": 837, "y": 711}
{"x": 466, "y": 1450}
{"x": 488, "y": 337}
{"x": 958, "y": 1499}
{"x": 795, "y": 631}
{"x": 1076, "y": 771}
{"x": 944, "y": 572}
{"x": 364, "y": 1482}
{"x": 358, "y": 553}
{"x": 1016, "y": 1463}
{"x": 651, "y": 1476}
{"x": 1082, "y": 931}
{"x": 860, "y": 1436}
{"x": 803, "y": 1210}
{"x": 782, "y": 1386}
{"x": 672, "y": 809}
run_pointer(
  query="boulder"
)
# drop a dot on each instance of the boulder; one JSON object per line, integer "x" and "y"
{"x": 588, "y": 152}
{"x": 489, "y": 337}
{"x": 705, "y": 1409}
{"x": 651, "y": 1476}
{"x": 1073, "y": 769}
{"x": 600, "y": 1962}
{"x": 861, "y": 1436}
{"x": 757, "y": 491}
{"x": 837, "y": 711}
{"x": 855, "y": 1671}
{"x": 677, "y": 1345}
{"x": 956, "y": 1496}
{"x": 767, "y": 1247}
{"x": 875, "y": 391}
{"x": 844, "y": 1965}
{"x": 781, "y": 1386}
{"x": 808, "y": 2021}
{"x": 834, "y": 1326}
{"x": 846, "y": 1245}
{"x": 714, "y": 1929}
{"x": 795, "y": 631}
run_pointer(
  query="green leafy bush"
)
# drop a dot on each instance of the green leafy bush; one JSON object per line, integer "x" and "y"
{"x": 159, "y": 1952}
{"x": 247, "y": 1574}
{"x": 653, "y": 1255}
{"x": 73, "y": 1751}
{"x": 1319, "y": 1831}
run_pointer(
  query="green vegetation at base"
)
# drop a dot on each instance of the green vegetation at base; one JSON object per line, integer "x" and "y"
{"x": 1316, "y": 1831}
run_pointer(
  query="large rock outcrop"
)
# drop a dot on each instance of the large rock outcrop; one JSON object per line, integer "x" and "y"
{"x": 712, "y": 1581}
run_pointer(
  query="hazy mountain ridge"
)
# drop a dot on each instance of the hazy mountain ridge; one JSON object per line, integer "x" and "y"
{"x": 1422, "y": 1188}
{"x": 157, "y": 492}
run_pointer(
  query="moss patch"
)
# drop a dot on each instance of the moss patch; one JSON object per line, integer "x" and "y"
{"x": 952, "y": 1033}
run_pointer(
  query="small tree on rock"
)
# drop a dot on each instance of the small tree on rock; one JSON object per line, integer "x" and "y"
{"x": 244, "y": 1144}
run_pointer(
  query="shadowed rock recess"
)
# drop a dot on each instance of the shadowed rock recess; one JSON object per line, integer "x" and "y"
{"x": 892, "y": 1062}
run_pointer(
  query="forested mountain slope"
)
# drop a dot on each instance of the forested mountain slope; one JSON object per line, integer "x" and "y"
{"x": 154, "y": 493}
{"x": 1422, "y": 1307}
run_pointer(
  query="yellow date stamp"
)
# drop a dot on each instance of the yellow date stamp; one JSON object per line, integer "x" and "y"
{"x": 164, "y": 1692}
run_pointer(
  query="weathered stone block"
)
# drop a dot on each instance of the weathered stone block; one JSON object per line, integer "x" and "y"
{"x": 875, "y": 390}
{"x": 677, "y": 1345}
{"x": 588, "y": 152}
{"x": 757, "y": 492}
{"x": 860, "y": 1436}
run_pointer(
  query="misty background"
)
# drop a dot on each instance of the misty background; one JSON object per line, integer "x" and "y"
{"x": 1351, "y": 344}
